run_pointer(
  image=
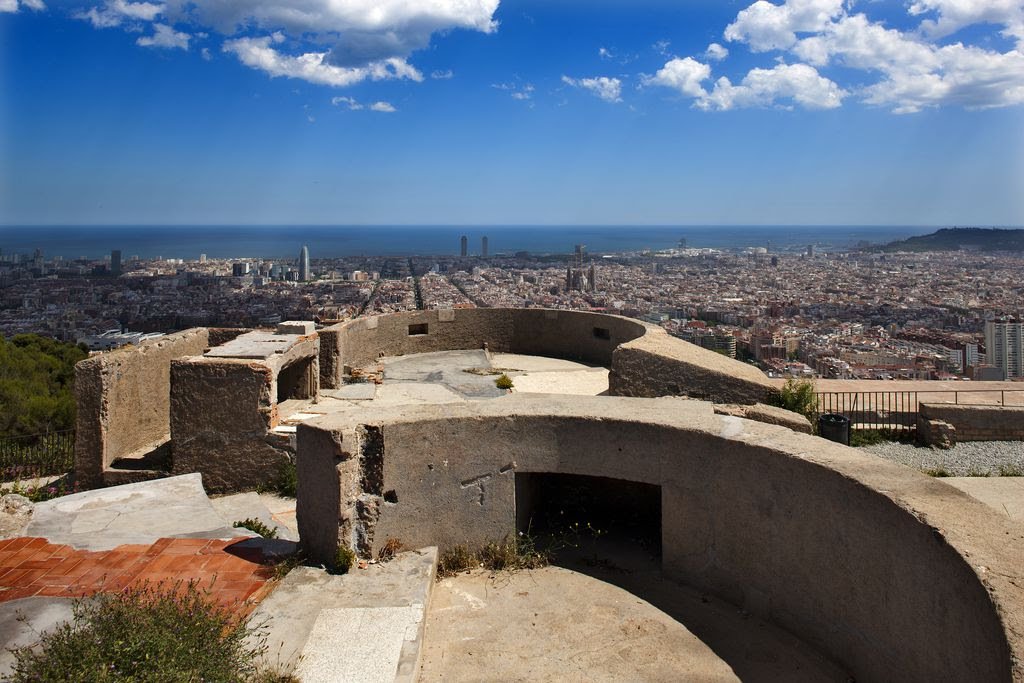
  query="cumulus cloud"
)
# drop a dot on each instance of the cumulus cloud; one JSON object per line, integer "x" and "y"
{"x": 716, "y": 52}
{"x": 327, "y": 42}
{"x": 765, "y": 26}
{"x": 608, "y": 89}
{"x": 314, "y": 66}
{"x": 798, "y": 83}
{"x": 165, "y": 37}
{"x": 442, "y": 75}
{"x": 908, "y": 70}
{"x": 385, "y": 107}
{"x": 684, "y": 75}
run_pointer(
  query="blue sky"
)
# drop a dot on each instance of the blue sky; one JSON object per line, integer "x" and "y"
{"x": 474, "y": 112}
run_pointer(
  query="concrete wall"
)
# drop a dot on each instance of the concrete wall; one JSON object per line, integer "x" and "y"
{"x": 644, "y": 360}
{"x": 893, "y": 574}
{"x": 123, "y": 400}
{"x": 978, "y": 423}
{"x": 222, "y": 411}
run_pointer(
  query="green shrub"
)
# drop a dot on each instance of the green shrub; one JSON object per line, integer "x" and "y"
{"x": 287, "y": 480}
{"x": 257, "y": 527}
{"x": 36, "y": 377}
{"x": 503, "y": 382}
{"x": 799, "y": 397}
{"x": 344, "y": 558}
{"x": 1011, "y": 471}
{"x": 867, "y": 437}
{"x": 158, "y": 633}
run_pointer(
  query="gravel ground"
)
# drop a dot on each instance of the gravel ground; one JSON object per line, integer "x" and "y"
{"x": 969, "y": 458}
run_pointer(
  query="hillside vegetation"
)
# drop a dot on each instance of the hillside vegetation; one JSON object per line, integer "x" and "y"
{"x": 954, "y": 239}
{"x": 36, "y": 376}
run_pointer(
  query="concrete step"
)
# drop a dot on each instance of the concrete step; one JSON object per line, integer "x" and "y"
{"x": 364, "y": 626}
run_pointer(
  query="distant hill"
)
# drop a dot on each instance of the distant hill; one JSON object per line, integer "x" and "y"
{"x": 953, "y": 239}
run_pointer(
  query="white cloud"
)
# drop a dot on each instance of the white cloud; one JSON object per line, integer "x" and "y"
{"x": 716, "y": 52}
{"x": 348, "y": 102}
{"x": 684, "y": 75}
{"x": 604, "y": 53}
{"x": 953, "y": 15}
{"x": 12, "y": 5}
{"x": 517, "y": 91}
{"x": 205, "y": 52}
{"x": 661, "y": 47}
{"x": 165, "y": 37}
{"x": 442, "y": 75}
{"x": 765, "y": 26}
{"x": 353, "y": 105}
{"x": 908, "y": 70}
{"x": 608, "y": 89}
{"x": 118, "y": 12}
{"x": 313, "y": 66}
{"x": 766, "y": 87}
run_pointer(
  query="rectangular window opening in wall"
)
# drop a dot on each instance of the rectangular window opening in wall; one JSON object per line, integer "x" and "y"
{"x": 602, "y": 333}
{"x": 417, "y": 330}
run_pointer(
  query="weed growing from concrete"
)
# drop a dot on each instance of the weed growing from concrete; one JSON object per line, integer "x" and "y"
{"x": 1011, "y": 471}
{"x": 344, "y": 558}
{"x": 978, "y": 473}
{"x": 152, "y": 632}
{"x": 508, "y": 555}
{"x": 937, "y": 472}
{"x": 503, "y": 382}
{"x": 388, "y": 551}
{"x": 257, "y": 527}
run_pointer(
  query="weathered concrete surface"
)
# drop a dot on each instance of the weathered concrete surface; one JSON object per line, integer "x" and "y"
{"x": 176, "y": 507}
{"x": 15, "y": 514}
{"x": 23, "y": 621}
{"x": 554, "y": 624}
{"x": 660, "y": 365}
{"x": 1003, "y": 494}
{"x": 123, "y": 400}
{"x": 975, "y": 423}
{"x": 773, "y": 415}
{"x": 239, "y": 507}
{"x": 343, "y": 641}
{"x": 891, "y": 573}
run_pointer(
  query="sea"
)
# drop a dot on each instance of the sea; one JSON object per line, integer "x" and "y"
{"x": 334, "y": 241}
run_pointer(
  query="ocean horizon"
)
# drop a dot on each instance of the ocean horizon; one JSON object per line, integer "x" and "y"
{"x": 334, "y": 241}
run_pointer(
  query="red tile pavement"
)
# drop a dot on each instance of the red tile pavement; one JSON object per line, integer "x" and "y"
{"x": 235, "y": 577}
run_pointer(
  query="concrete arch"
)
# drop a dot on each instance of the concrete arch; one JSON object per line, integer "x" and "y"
{"x": 894, "y": 575}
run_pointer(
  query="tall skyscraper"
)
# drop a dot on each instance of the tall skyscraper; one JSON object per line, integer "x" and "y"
{"x": 1004, "y": 346}
{"x": 464, "y": 246}
{"x": 304, "y": 264}
{"x": 115, "y": 262}
{"x": 483, "y": 247}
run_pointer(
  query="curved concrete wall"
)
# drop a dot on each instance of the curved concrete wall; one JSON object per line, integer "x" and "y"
{"x": 893, "y": 574}
{"x": 644, "y": 360}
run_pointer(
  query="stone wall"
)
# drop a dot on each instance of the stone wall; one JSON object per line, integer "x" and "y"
{"x": 643, "y": 359}
{"x": 893, "y": 574}
{"x": 123, "y": 401}
{"x": 977, "y": 423}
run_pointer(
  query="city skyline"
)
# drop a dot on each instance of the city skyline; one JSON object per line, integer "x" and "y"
{"x": 275, "y": 112}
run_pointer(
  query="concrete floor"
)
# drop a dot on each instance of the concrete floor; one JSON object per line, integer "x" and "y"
{"x": 604, "y": 614}
{"x": 557, "y": 624}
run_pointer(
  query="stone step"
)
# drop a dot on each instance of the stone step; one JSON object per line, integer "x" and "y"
{"x": 241, "y": 506}
{"x": 364, "y": 626}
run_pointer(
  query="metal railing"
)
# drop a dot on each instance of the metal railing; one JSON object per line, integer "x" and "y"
{"x": 36, "y": 455}
{"x": 898, "y": 410}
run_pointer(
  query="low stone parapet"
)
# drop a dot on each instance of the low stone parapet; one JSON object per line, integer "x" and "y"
{"x": 948, "y": 421}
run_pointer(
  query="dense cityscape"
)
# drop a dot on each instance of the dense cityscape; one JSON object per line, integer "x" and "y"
{"x": 842, "y": 314}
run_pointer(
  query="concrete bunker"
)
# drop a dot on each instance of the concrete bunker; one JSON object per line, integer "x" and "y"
{"x": 889, "y": 573}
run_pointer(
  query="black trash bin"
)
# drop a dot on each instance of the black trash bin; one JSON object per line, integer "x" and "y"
{"x": 834, "y": 427}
